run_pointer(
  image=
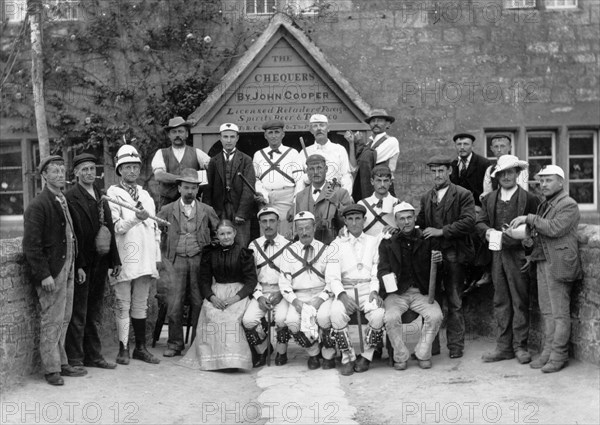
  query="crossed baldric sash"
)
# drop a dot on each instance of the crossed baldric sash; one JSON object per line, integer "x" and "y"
{"x": 274, "y": 166}
{"x": 376, "y": 217}
{"x": 269, "y": 260}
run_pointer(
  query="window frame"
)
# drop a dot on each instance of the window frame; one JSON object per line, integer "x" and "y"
{"x": 520, "y": 4}
{"x": 595, "y": 179}
{"x": 548, "y": 6}
{"x": 533, "y": 183}
{"x": 256, "y": 2}
{"x": 490, "y": 134}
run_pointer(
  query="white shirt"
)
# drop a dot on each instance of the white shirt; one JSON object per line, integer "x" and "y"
{"x": 267, "y": 275}
{"x": 187, "y": 208}
{"x": 316, "y": 195}
{"x": 158, "y": 162}
{"x": 338, "y": 165}
{"x": 307, "y": 284}
{"x": 466, "y": 163}
{"x": 387, "y": 208}
{"x": 353, "y": 259}
{"x": 441, "y": 193}
{"x": 388, "y": 151}
{"x": 273, "y": 180}
{"x": 505, "y": 195}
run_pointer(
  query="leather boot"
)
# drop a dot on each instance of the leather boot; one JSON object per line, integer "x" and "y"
{"x": 141, "y": 352}
{"x": 123, "y": 356}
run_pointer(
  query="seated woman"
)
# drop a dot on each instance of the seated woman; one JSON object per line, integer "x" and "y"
{"x": 220, "y": 341}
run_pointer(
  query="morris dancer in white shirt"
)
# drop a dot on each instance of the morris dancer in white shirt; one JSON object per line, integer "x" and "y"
{"x": 380, "y": 205}
{"x": 386, "y": 146}
{"x": 338, "y": 164}
{"x": 268, "y": 250}
{"x": 302, "y": 283}
{"x": 278, "y": 173}
{"x": 353, "y": 265}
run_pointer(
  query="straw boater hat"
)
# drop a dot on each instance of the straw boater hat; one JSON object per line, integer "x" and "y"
{"x": 380, "y": 113}
{"x": 506, "y": 162}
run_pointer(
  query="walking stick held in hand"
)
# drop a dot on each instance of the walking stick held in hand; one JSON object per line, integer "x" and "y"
{"x": 269, "y": 319}
{"x": 432, "y": 281}
{"x": 303, "y": 148}
{"x": 359, "y": 320}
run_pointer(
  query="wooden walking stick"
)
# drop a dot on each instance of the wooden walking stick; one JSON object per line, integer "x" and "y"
{"x": 247, "y": 183}
{"x": 132, "y": 208}
{"x": 269, "y": 318}
{"x": 432, "y": 282}
{"x": 303, "y": 148}
{"x": 359, "y": 320}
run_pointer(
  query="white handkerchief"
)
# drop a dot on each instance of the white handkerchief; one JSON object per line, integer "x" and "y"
{"x": 495, "y": 243}
{"x": 390, "y": 283}
{"x": 308, "y": 322}
{"x": 370, "y": 306}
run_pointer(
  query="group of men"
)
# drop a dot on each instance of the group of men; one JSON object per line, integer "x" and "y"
{"x": 321, "y": 257}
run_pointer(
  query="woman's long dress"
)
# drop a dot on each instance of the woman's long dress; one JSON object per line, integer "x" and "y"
{"x": 220, "y": 339}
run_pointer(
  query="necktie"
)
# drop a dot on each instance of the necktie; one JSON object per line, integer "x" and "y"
{"x": 307, "y": 249}
{"x": 267, "y": 243}
{"x": 228, "y": 155}
{"x": 463, "y": 167}
{"x": 316, "y": 191}
{"x": 378, "y": 204}
{"x": 133, "y": 192}
{"x": 277, "y": 151}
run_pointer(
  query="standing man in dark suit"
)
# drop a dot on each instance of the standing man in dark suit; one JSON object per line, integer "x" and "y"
{"x": 193, "y": 224}
{"x": 83, "y": 344}
{"x": 50, "y": 248}
{"x": 227, "y": 193}
{"x": 447, "y": 214}
{"x": 511, "y": 286}
{"x": 556, "y": 253}
{"x": 468, "y": 170}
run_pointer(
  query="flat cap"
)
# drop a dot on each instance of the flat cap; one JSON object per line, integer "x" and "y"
{"x": 439, "y": 160}
{"x": 267, "y": 210}
{"x": 354, "y": 209}
{"x": 273, "y": 124}
{"x": 500, "y": 136}
{"x": 229, "y": 126}
{"x": 52, "y": 158}
{"x": 463, "y": 136}
{"x": 304, "y": 215}
{"x": 316, "y": 158}
{"x": 84, "y": 157}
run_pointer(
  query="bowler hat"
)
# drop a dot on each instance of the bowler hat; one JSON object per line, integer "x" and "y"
{"x": 52, "y": 158}
{"x": 380, "y": 113}
{"x": 176, "y": 122}
{"x": 188, "y": 175}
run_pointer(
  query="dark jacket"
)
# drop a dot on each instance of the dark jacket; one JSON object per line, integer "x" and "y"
{"x": 44, "y": 238}
{"x": 390, "y": 261}
{"x": 473, "y": 179}
{"x": 240, "y": 194}
{"x": 526, "y": 204}
{"x": 206, "y": 225}
{"x": 365, "y": 161}
{"x": 458, "y": 220}
{"x": 554, "y": 227}
{"x": 87, "y": 228}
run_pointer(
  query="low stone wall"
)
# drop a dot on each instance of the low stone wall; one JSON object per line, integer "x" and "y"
{"x": 19, "y": 316}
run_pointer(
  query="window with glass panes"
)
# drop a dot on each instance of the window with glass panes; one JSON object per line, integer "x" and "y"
{"x": 560, "y": 4}
{"x": 541, "y": 150}
{"x": 583, "y": 168}
{"x": 254, "y": 7}
{"x": 11, "y": 178}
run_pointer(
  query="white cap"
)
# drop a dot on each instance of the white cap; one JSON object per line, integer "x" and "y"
{"x": 506, "y": 162}
{"x": 267, "y": 210}
{"x": 318, "y": 118}
{"x": 549, "y": 170}
{"x": 126, "y": 154}
{"x": 304, "y": 215}
{"x": 229, "y": 126}
{"x": 403, "y": 206}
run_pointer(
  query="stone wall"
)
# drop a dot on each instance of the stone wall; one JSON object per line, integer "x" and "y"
{"x": 19, "y": 317}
